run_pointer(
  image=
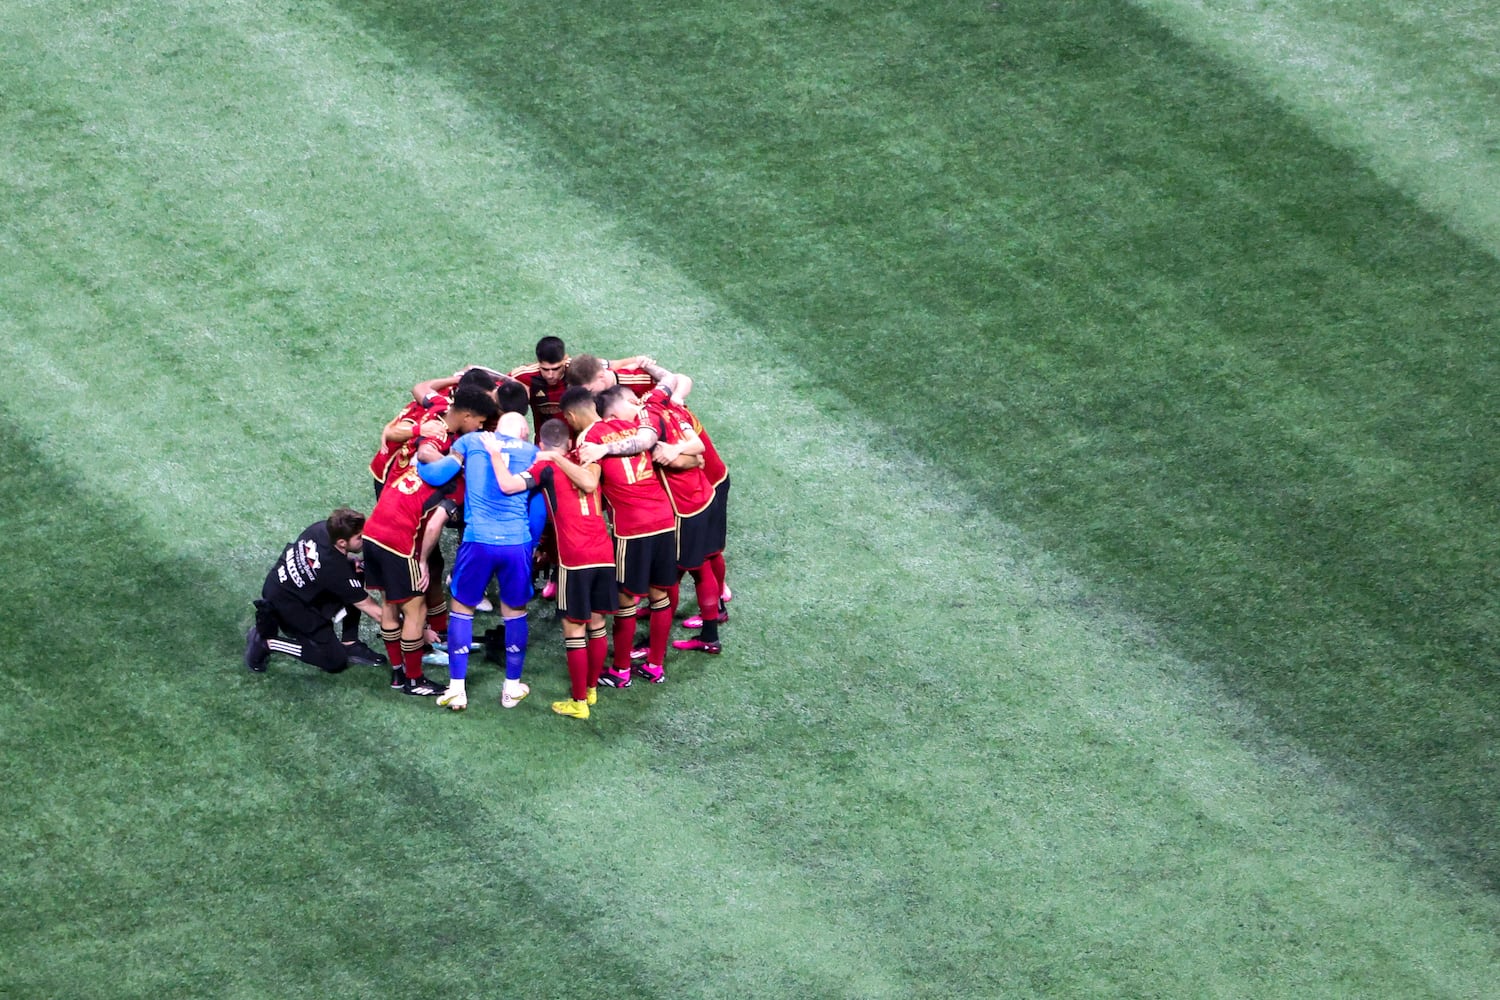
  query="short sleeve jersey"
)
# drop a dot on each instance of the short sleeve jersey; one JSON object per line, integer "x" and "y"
{"x": 578, "y": 518}
{"x": 403, "y": 510}
{"x": 391, "y": 460}
{"x": 317, "y": 574}
{"x": 490, "y": 516}
{"x": 689, "y": 489}
{"x": 635, "y": 495}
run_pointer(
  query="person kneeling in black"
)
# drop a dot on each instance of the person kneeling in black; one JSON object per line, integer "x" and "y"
{"x": 311, "y": 586}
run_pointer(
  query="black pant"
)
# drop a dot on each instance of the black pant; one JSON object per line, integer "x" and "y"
{"x": 303, "y": 633}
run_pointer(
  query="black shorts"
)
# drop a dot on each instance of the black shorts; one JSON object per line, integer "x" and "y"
{"x": 692, "y": 539}
{"x": 583, "y": 593}
{"x": 646, "y": 561}
{"x": 718, "y": 518}
{"x": 394, "y": 575}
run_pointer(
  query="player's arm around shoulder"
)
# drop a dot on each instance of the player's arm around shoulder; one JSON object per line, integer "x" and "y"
{"x": 584, "y": 477}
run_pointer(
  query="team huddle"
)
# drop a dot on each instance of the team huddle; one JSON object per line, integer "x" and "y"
{"x": 619, "y": 496}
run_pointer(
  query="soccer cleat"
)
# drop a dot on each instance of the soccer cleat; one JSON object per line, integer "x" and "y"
{"x": 639, "y": 653}
{"x": 698, "y": 646}
{"x": 612, "y": 678}
{"x": 453, "y": 700}
{"x": 513, "y": 695}
{"x": 441, "y": 646}
{"x": 548, "y": 593}
{"x": 724, "y": 595}
{"x": 422, "y": 687}
{"x": 593, "y": 696}
{"x": 650, "y": 673}
{"x": 398, "y": 678}
{"x": 256, "y": 651}
{"x": 571, "y": 708}
{"x": 696, "y": 621}
{"x": 436, "y": 658}
{"x": 361, "y": 655}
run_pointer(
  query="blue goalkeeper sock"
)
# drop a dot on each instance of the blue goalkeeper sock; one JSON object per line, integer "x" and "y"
{"x": 460, "y": 636}
{"x": 516, "y": 634}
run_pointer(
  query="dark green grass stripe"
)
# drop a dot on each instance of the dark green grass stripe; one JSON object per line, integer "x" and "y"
{"x": 1215, "y": 360}
{"x": 190, "y": 830}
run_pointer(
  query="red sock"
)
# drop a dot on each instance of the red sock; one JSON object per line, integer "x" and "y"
{"x": 438, "y": 622}
{"x": 598, "y": 654}
{"x": 661, "y": 626}
{"x": 411, "y": 659}
{"x": 624, "y": 636}
{"x": 392, "y": 647}
{"x": 706, "y": 586}
{"x": 578, "y": 666}
{"x": 716, "y": 563}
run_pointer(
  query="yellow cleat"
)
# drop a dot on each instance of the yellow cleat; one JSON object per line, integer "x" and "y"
{"x": 593, "y": 695}
{"x": 575, "y": 709}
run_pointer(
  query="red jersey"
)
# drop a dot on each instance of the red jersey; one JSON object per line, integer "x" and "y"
{"x": 403, "y": 510}
{"x": 577, "y": 518}
{"x": 635, "y": 495}
{"x": 689, "y": 489}
{"x": 392, "y": 460}
{"x": 713, "y": 466}
{"x": 546, "y": 400}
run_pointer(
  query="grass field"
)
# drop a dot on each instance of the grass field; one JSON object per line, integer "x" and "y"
{"x": 1109, "y": 393}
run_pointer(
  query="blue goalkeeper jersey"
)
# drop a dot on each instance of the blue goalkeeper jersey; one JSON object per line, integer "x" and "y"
{"x": 489, "y": 515}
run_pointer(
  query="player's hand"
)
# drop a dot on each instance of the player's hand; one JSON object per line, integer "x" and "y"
{"x": 422, "y": 580}
{"x": 430, "y": 636}
{"x": 433, "y": 427}
{"x": 665, "y": 454}
{"x": 547, "y": 455}
{"x": 591, "y": 452}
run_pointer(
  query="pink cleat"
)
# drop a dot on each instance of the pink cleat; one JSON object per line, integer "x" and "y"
{"x": 698, "y": 646}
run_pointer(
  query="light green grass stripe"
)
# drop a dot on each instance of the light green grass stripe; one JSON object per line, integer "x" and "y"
{"x": 1409, "y": 87}
{"x": 1034, "y": 707}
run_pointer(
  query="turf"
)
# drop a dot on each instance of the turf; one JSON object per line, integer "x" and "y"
{"x": 1111, "y": 454}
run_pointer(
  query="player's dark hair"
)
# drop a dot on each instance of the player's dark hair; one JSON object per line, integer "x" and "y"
{"x": 550, "y": 350}
{"x": 611, "y": 397}
{"x": 475, "y": 400}
{"x": 344, "y": 523}
{"x": 513, "y": 397}
{"x": 555, "y": 434}
{"x": 476, "y": 378}
{"x": 584, "y": 369}
{"x": 575, "y": 398}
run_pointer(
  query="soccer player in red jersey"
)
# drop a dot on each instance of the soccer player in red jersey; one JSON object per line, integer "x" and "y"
{"x": 587, "y": 590}
{"x": 398, "y": 439}
{"x": 644, "y": 523}
{"x": 401, "y": 535}
{"x": 544, "y": 380}
{"x": 718, "y": 519}
{"x": 679, "y": 460}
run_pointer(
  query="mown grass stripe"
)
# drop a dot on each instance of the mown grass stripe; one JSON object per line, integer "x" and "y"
{"x": 1409, "y": 88}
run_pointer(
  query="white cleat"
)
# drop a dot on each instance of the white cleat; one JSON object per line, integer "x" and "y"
{"x": 455, "y": 701}
{"x": 510, "y": 696}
